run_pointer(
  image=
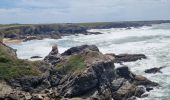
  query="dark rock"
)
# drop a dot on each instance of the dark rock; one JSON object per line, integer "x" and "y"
{"x": 94, "y": 76}
{"x": 127, "y": 57}
{"x": 35, "y": 57}
{"x": 2, "y": 98}
{"x": 99, "y": 71}
{"x": 140, "y": 80}
{"x": 53, "y": 57}
{"x": 78, "y": 49}
{"x": 149, "y": 89}
{"x": 117, "y": 83}
{"x": 127, "y": 90}
{"x": 29, "y": 84}
{"x": 96, "y": 33}
{"x": 124, "y": 72}
{"x": 154, "y": 70}
{"x": 139, "y": 91}
{"x": 12, "y": 97}
{"x": 12, "y": 36}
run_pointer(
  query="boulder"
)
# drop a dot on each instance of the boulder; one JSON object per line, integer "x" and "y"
{"x": 78, "y": 49}
{"x": 117, "y": 83}
{"x": 127, "y": 90}
{"x": 124, "y": 72}
{"x": 33, "y": 57}
{"x": 127, "y": 57}
{"x": 140, "y": 80}
{"x": 140, "y": 90}
{"x": 53, "y": 57}
{"x": 154, "y": 70}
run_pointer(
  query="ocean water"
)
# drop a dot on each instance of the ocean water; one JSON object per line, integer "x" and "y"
{"x": 153, "y": 41}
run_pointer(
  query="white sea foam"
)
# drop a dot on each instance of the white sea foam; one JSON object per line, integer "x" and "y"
{"x": 153, "y": 41}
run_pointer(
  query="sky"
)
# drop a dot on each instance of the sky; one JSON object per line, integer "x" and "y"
{"x": 75, "y": 11}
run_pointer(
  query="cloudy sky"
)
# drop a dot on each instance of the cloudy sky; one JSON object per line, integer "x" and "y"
{"x": 67, "y": 11}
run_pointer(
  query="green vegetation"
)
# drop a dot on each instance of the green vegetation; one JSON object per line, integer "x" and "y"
{"x": 13, "y": 25}
{"x": 73, "y": 64}
{"x": 11, "y": 67}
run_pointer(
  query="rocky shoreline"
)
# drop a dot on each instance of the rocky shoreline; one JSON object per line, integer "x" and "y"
{"x": 80, "y": 73}
{"x": 26, "y": 32}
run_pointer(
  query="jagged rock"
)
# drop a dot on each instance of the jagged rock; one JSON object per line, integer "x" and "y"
{"x": 139, "y": 91}
{"x": 28, "y": 96}
{"x": 53, "y": 57}
{"x": 33, "y": 57}
{"x": 31, "y": 83}
{"x": 83, "y": 71}
{"x": 98, "y": 69}
{"x": 78, "y": 49}
{"x": 149, "y": 89}
{"x": 127, "y": 90}
{"x": 117, "y": 83}
{"x": 140, "y": 80}
{"x": 124, "y": 72}
{"x": 12, "y": 97}
{"x": 154, "y": 70}
{"x": 127, "y": 57}
{"x": 37, "y": 97}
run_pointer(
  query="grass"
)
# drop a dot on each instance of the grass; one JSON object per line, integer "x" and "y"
{"x": 13, "y": 25}
{"x": 11, "y": 67}
{"x": 73, "y": 64}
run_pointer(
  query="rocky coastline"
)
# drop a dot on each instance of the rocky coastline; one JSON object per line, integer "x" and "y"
{"x": 26, "y": 32}
{"x": 80, "y": 73}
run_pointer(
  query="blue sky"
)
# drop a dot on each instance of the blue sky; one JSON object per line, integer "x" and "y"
{"x": 68, "y": 11}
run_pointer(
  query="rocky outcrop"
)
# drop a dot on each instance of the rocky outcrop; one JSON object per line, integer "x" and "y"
{"x": 33, "y": 57}
{"x": 78, "y": 49}
{"x": 83, "y": 72}
{"x": 127, "y": 57}
{"x": 154, "y": 70}
{"x": 53, "y": 57}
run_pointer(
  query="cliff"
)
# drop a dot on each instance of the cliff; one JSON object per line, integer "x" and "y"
{"x": 55, "y": 31}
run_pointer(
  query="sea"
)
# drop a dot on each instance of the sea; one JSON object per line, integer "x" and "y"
{"x": 153, "y": 41}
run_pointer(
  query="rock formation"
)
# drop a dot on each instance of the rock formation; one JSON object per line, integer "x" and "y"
{"x": 154, "y": 70}
{"x": 81, "y": 72}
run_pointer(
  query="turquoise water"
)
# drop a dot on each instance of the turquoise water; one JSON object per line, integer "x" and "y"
{"x": 153, "y": 41}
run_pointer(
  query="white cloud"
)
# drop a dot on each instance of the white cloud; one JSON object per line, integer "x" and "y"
{"x": 53, "y": 11}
